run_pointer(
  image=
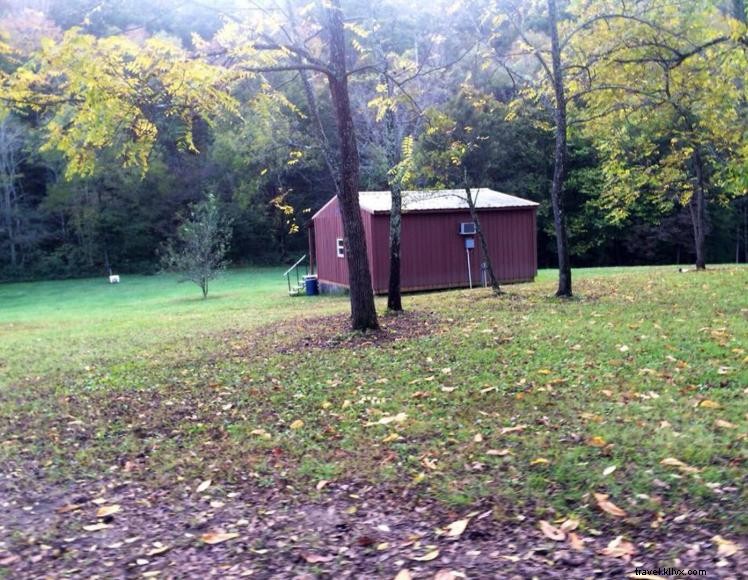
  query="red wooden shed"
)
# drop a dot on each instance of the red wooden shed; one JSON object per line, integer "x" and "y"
{"x": 438, "y": 239}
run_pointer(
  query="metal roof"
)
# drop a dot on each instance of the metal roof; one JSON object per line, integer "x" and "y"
{"x": 441, "y": 200}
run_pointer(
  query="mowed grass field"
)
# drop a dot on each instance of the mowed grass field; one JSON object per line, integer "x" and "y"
{"x": 636, "y": 389}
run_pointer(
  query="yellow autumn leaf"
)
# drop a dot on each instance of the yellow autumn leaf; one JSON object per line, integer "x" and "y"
{"x": 296, "y": 425}
{"x": 575, "y": 542}
{"x": 427, "y": 557}
{"x": 455, "y": 529}
{"x": 709, "y": 404}
{"x": 218, "y": 537}
{"x": 569, "y": 525}
{"x": 725, "y": 547}
{"x": 608, "y": 506}
{"x": 673, "y": 462}
{"x": 107, "y": 510}
{"x": 552, "y": 532}
{"x": 539, "y": 461}
{"x": 619, "y": 548}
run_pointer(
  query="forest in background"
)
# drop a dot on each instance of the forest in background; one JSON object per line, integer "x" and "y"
{"x": 76, "y": 205}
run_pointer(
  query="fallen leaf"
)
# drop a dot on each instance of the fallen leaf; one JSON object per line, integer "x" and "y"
{"x": 321, "y": 484}
{"x": 725, "y": 547}
{"x": 619, "y": 548}
{"x": 107, "y": 510}
{"x": 399, "y": 418}
{"x": 203, "y": 486}
{"x": 724, "y": 424}
{"x": 569, "y": 525}
{"x": 478, "y": 438}
{"x": 515, "y": 429}
{"x": 448, "y": 575}
{"x": 159, "y": 550}
{"x": 218, "y": 537}
{"x": 575, "y": 542}
{"x": 597, "y": 441}
{"x": 69, "y": 508}
{"x": 427, "y": 557}
{"x": 96, "y": 527}
{"x": 684, "y": 467}
{"x": 315, "y": 558}
{"x": 609, "y": 470}
{"x": 608, "y": 506}
{"x": 429, "y": 463}
{"x": 455, "y": 529}
{"x": 298, "y": 424}
{"x": 551, "y": 531}
{"x": 390, "y": 438}
{"x": 539, "y": 461}
{"x": 403, "y": 575}
{"x": 498, "y": 452}
{"x": 624, "y": 348}
{"x": 709, "y": 404}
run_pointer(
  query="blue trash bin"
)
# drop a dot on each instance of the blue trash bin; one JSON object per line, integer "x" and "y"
{"x": 311, "y": 285}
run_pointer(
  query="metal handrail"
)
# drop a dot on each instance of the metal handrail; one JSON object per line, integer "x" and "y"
{"x": 299, "y": 261}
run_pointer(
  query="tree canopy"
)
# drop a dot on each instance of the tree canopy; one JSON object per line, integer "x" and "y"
{"x": 117, "y": 116}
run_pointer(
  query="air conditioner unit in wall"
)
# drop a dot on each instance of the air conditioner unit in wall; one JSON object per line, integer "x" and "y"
{"x": 467, "y": 228}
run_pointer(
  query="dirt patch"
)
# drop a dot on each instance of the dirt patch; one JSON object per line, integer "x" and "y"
{"x": 348, "y": 530}
{"x": 329, "y": 332}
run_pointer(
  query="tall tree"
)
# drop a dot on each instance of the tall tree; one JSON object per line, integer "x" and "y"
{"x": 273, "y": 40}
{"x": 512, "y": 34}
{"x": 664, "y": 91}
{"x": 11, "y": 158}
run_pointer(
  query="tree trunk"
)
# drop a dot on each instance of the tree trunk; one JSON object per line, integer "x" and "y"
{"x": 483, "y": 244}
{"x": 697, "y": 209}
{"x": 559, "y": 159}
{"x": 394, "y": 297}
{"x": 8, "y": 211}
{"x": 363, "y": 311}
{"x": 745, "y": 230}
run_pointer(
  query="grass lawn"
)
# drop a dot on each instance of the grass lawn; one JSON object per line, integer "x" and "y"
{"x": 636, "y": 389}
